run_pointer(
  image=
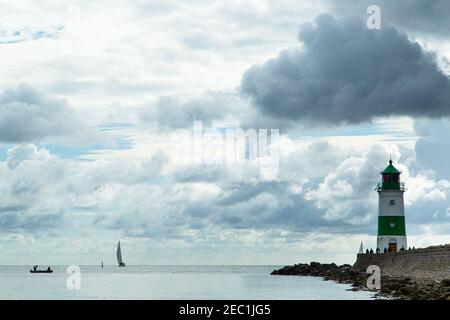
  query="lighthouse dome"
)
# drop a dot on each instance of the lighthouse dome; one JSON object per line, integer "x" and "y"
{"x": 390, "y": 169}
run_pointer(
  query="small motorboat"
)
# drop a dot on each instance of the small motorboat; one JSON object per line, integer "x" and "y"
{"x": 35, "y": 270}
{"x": 41, "y": 271}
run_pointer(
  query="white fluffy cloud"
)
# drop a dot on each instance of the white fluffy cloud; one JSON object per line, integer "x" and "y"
{"x": 30, "y": 115}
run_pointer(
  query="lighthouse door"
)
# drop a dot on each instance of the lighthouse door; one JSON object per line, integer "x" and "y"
{"x": 392, "y": 247}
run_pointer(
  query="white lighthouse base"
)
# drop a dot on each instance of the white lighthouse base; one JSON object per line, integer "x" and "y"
{"x": 393, "y": 242}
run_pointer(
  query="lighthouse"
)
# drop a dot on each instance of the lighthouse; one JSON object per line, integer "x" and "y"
{"x": 391, "y": 211}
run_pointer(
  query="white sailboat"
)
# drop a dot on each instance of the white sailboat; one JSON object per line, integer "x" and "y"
{"x": 119, "y": 256}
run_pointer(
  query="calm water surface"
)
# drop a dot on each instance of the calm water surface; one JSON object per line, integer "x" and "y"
{"x": 170, "y": 282}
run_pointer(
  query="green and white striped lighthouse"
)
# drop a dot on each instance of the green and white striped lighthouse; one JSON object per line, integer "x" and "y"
{"x": 391, "y": 211}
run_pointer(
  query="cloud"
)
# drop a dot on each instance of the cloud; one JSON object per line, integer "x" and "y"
{"x": 32, "y": 223}
{"x": 199, "y": 173}
{"x": 432, "y": 148}
{"x": 172, "y": 112}
{"x": 347, "y": 193}
{"x": 346, "y": 73}
{"x": 143, "y": 199}
{"x": 31, "y": 194}
{"x": 29, "y": 115}
{"x": 198, "y": 199}
{"x": 125, "y": 171}
{"x": 39, "y": 190}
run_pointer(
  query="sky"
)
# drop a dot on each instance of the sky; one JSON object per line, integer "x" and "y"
{"x": 100, "y": 104}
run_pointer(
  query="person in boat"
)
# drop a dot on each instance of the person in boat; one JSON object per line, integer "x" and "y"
{"x": 48, "y": 269}
{"x": 34, "y": 268}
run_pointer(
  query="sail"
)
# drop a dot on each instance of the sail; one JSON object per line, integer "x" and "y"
{"x": 361, "y": 249}
{"x": 119, "y": 255}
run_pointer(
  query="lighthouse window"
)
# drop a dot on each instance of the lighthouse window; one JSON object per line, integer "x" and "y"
{"x": 391, "y": 177}
{"x": 392, "y": 202}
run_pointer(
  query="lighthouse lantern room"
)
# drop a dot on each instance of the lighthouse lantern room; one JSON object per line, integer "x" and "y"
{"x": 391, "y": 212}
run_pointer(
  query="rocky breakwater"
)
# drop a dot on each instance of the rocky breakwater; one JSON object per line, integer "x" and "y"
{"x": 398, "y": 287}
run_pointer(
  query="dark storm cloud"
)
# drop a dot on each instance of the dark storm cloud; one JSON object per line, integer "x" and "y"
{"x": 422, "y": 16}
{"x": 346, "y": 73}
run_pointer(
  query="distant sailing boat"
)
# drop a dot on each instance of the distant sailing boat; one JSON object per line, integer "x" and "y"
{"x": 119, "y": 256}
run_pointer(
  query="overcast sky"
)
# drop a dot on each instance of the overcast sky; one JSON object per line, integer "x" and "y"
{"x": 92, "y": 95}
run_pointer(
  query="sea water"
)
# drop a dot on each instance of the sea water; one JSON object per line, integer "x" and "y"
{"x": 170, "y": 282}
